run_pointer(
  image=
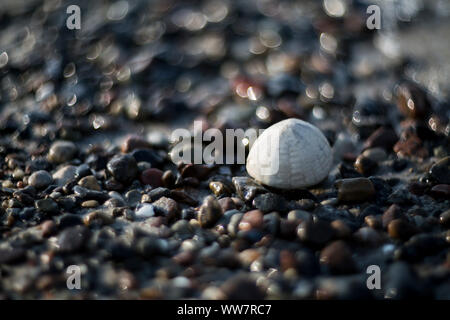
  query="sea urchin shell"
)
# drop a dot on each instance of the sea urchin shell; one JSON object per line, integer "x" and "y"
{"x": 290, "y": 154}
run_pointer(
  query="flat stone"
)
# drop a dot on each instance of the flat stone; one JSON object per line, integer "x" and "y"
{"x": 64, "y": 175}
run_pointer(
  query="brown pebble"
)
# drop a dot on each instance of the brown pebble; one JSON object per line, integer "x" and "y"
{"x": 337, "y": 256}
{"x": 48, "y": 228}
{"x": 342, "y": 230}
{"x": 152, "y": 177}
{"x": 287, "y": 260}
{"x": 393, "y": 212}
{"x": 252, "y": 220}
{"x": 401, "y": 229}
{"x": 227, "y": 204}
{"x": 365, "y": 166}
{"x": 168, "y": 179}
{"x": 288, "y": 228}
{"x": 374, "y": 222}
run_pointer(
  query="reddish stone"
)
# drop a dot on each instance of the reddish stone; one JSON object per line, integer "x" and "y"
{"x": 152, "y": 177}
{"x": 253, "y": 219}
{"x": 410, "y": 145}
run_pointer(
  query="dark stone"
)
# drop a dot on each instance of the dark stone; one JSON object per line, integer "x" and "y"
{"x": 123, "y": 168}
{"x": 315, "y": 232}
{"x": 73, "y": 239}
{"x": 269, "y": 202}
{"x": 337, "y": 257}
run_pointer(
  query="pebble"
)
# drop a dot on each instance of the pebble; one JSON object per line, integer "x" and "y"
{"x": 152, "y": 177}
{"x": 166, "y": 207}
{"x": 355, "y": 190}
{"x": 64, "y": 175}
{"x": 341, "y": 229}
{"x": 240, "y": 287}
{"x": 40, "y": 179}
{"x": 269, "y": 202}
{"x": 48, "y": 228}
{"x": 62, "y": 151}
{"x": 227, "y": 204}
{"x": 90, "y": 204}
{"x": 89, "y": 182}
{"x": 47, "y": 206}
{"x": 440, "y": 191}
{"x": 247, "y": 188}
{"x": 145, "y": 211}
{"x": 440, "y": 171}
{"x": 315, "y": 232}
{"x": 365, "y": 165}
{"x": 375, "y": 154}
{"x": 210, "y": 212}
{"x": 134, "y": 142}
{"x": 123, "y": 168}
{"x": 410, "y": 145}
{"x": 253, "y": 219}
{"x": 412, "y": 101}
{"x": 383, "y": 138}
{"x": 72, "y": 239}
{"x": 401, "y": 229}
{"x": 444, "y": 218}
{"x": 337, "y": 257}
{"x": 392, "y": 213}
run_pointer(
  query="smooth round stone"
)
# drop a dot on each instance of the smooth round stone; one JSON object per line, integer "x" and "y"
{"x": 40, "y": 179}
{"x": 123, "y": 168}
{"x": 89, "y": 182}
{"x": 64, "y": 175}
{"x": 440, "y": 191}
{"x": 62, "y": 151}
{"x": 152, "y": 177}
